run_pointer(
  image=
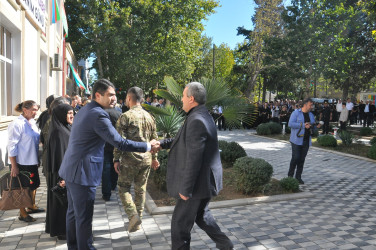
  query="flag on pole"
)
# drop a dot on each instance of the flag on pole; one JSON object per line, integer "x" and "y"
{"x": 77, "y": 77}
{"x": 55, "y": 13}
{"x": 64, "y": 19}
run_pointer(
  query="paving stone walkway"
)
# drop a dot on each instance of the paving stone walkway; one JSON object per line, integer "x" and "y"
{"x": 340, "y": 216}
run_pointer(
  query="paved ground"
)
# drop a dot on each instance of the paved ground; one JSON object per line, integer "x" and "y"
{"x": 340, "y": 216}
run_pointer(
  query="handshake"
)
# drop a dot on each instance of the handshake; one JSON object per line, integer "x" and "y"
{"x": 155, "y": 146}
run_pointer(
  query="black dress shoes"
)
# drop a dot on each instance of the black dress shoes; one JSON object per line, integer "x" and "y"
{"x": 300, "y": 181}
{"x": 27, "y": 219}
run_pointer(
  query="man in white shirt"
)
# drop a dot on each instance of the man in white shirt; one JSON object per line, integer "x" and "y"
{"x": 367, "y": 114}
{"x": 221, "y": 119}
{"x": 338, "y": 108}
{"x": 349, "y": 106}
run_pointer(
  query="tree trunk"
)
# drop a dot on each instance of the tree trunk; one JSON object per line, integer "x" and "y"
{"x": 251, "y": 84}
{"x": 264, "y": 90}
{"x": 315, "y": 88}
{"x": 100, "y": 67}
{"x": 259, "y": 89}
{"x": 345, "y": 90}
{"x": 254, "y": 73}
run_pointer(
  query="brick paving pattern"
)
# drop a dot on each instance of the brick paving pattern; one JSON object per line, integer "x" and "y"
{"x": 340, "y": 216}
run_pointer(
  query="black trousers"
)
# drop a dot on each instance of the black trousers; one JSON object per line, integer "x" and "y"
{"x": 299, "y": 153}
{"x": 186, "y": 213}
{"x": 368, "y": 119}
{"x": 221, "y": 123}
{"x": 343, "y": 125}
{"x": 325, "y": 129}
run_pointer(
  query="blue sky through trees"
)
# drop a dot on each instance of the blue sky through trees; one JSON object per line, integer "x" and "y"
{"x": 230, "y": 15}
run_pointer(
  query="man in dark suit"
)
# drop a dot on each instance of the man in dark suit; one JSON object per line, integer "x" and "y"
{"x": 194, "y": 171}
{"x": 83, "y": 161}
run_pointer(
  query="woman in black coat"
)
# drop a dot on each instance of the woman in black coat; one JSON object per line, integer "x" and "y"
{"x": 59, "y": 132}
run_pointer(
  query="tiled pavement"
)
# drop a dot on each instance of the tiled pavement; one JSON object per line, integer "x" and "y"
{"x": 340, "y": 216}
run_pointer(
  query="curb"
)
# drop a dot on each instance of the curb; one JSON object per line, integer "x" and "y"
{"x": 323, "y": 149}
{"x": 154, "y": 210}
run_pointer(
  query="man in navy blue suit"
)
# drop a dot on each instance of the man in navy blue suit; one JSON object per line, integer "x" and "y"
{"x": 83, "y": 161}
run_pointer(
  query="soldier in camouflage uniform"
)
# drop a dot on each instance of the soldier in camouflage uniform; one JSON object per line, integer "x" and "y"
{"x": 138, "y": 125}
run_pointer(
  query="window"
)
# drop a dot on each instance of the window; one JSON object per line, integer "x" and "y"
{"x": 5, "y": 72}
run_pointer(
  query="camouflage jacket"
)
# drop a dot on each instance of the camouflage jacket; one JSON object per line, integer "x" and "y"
{"x": 136, "y": 125}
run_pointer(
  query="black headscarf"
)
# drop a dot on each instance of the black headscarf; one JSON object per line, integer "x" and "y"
{"x": 59, "y": 115}
{"x": 45, "y": 116}
{"x": 58, "y": 135}
{"x": 49, "y": 100}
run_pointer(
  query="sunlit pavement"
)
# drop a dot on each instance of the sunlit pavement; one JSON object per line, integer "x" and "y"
{"x": 340, "y": 216}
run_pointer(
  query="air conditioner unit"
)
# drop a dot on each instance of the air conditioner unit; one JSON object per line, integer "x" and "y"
{"x": 57, "y": 63}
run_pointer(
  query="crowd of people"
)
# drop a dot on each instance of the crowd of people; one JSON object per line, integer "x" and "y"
{"x": 92, "y": 140}
{"x": 345, "y": 113}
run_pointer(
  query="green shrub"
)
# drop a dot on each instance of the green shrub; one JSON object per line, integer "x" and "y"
{"x": 252, "y": 174}
{"x": 159, "y": 175}
{"x": 263, "y": 129}
{"x": 365, "y": 131}
{"x": 327, "y": 141}
{"x": 373, "y": 141}
{"x": 290, "y": 184}
{"x": 222, "y": 144}
{"x": 346, "y": 137}
{"x": 275, "y": 128}
{"x": 230, "y": 151}
{"x": 372, "y": 152}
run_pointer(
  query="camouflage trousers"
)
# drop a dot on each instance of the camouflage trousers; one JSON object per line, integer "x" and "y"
{"x": 139, "y": 175}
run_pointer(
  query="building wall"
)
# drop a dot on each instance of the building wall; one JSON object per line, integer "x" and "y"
{"x": 33, "y": 45}
{"x": 31, "y": 57}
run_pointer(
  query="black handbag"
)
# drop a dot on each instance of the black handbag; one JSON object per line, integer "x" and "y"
{"x": 61, "y": 194}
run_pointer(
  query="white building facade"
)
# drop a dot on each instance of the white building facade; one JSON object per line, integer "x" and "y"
{"x": 32, "y": 59}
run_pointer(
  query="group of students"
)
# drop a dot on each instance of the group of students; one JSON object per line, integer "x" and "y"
{"x": 52, "y": 129}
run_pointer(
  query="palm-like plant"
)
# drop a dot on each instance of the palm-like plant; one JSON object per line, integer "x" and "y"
{"x": 169, "y": 124}
{"x": 236, "y": 108}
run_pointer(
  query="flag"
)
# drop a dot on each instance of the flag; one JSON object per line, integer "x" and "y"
{"x": 64, "y": 19}
{"x": 77, "y": 77}
{"x": 55, "y": 11}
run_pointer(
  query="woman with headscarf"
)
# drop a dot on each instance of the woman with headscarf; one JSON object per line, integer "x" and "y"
{"x": 44, "y": 132}
{"x": 23, "y": 148}
{"x": 58, "y": 134}
{"x": 45, "y": 115}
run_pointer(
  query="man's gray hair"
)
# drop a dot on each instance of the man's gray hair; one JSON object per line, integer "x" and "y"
{"x": 198, "y": 91}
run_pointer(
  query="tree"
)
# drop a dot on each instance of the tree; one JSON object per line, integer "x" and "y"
{"x": 223, "y": 61}
{"x": 139, "y": 42}
{"x": 350, "y": 56}
{"x": 267, "y": 24}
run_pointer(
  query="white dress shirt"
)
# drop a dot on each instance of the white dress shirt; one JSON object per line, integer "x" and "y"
{"x": 220, "y": 110}
{"x": 23, "y": 141}
{"x": 366, "y": 108}
{"x": 339, "y": 107}
{"x": 349, "y": 106}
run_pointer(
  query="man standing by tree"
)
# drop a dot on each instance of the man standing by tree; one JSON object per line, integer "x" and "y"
{"x": 326, "y": 116}
{"x": 138, "y": 125}
{"x": 338, "y": 109}
{"x": 349, "y": 107}
{"x": 301, "y": 123}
